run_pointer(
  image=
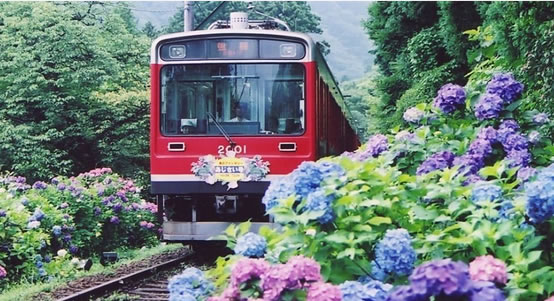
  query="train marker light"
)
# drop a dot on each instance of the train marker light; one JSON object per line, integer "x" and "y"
{"x": 108, "y": 257}
{"x": 177, "y": 51}
{"x": 288, "y": 50}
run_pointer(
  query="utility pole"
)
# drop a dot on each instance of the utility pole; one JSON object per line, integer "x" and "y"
{"x": 188, "y": 16}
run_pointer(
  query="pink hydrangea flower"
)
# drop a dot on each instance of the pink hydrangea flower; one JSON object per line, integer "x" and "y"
{"x": 276, "y": 279}
{"x": 3, "y": 272}
{"x": 246, "y": 269}
{"x": 304, "y": 269}
{"x": 320, "y": 291}
{"x": 550, "y": 299}
{"x": 488, "y": 268}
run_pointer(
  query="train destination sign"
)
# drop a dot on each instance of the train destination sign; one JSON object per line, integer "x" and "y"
{"x": 229, "y": 170}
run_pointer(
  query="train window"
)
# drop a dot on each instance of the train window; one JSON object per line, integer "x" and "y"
{"x": 265, "y": 98}
{"x": 273, "y": 49}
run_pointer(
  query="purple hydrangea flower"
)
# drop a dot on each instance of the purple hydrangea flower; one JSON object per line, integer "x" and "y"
{"x": 64, "y": 205}
{"x": 541, "y": 118}
{"x": 540, "y": 195}
{"x": 525, "y": 173}
{"x": 485, "y": 192}
{"x": 61, "y": 186}
{"x": 480, "y": 147}
{"x": 469, "y": 163}
{"x": 114, "y": 220}
{"x": 506, "y": 128}
{"x": 440, "y": 160}
{"x": 489, "y": 106}
{"x": 319, "y": 201}
{"x": 97, "y": 211}
{"x": 516, "y": 142}
{"x": 485, "y": 291}
{"x": 251, "y": 245}
{"x": 73, "y": 249}
{"x": 520, "y": 158}
{"x": 394, "y": 253}
{"x": 505, "y": 86}
{"x": 441, "y": 278}
{"x": 67, "y": 238}
{"x": 304, "y": 269}
{"x": 488, "y": 268}
{"x": 276, "y": 280}
{"x": 54, "y": 181}
{"x": 39, "y": 185}
{"x": 405, "y": 293}
{"x": 413, "y": 115}
{"x": 472, "y": 178}
{"x": 449, "y": 98}
{"x": 534, "y": 137}
{"x": 2, "y": 213}
{"x": 404, "y": 136}
{"x": 117, "y": 207}
{"x": 375, "y": 146}
{"x": 488, "y": 134}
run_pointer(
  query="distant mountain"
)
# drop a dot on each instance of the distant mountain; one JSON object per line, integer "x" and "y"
{"x": 341, "y": 22}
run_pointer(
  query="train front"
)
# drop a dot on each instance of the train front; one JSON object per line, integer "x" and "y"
{"x": 231, "y": 111}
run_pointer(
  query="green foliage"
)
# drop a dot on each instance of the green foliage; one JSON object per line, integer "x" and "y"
{"x": 60, "y": 63}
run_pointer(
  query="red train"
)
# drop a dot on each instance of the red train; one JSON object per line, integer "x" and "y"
{"x": 231, "y": 110}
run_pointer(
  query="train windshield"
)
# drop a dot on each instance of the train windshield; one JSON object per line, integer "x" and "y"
{"x": 243, "y": 99}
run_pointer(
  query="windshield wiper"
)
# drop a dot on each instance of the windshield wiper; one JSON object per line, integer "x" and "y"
{"x": 222, "y": 130}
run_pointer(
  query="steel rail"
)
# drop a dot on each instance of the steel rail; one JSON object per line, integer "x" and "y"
{"x": 114, "y": 284}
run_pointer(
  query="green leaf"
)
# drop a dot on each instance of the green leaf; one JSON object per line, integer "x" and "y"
{"x": 348, "y": 252}
{"x": 244, "y": 227}
{"x": 536, "y": 288}
{"x": 378, "y": 220}
{"x": 337, "y": 237}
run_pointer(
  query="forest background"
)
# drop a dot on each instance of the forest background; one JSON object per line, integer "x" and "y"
{"x": 75, "y": 75}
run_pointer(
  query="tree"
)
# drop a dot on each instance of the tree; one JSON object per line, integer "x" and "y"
{"x": 59, "y": 60}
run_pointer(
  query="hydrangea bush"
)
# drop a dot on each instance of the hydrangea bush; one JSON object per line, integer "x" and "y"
{"x": 464, "y": 191}
{"x": 46, "y": 225}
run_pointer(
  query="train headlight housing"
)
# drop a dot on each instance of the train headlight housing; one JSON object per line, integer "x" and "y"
{"x": 177, "y": 51}
{"x": 288, "y": 50}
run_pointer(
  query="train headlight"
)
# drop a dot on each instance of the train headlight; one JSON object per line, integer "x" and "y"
{"x": 177, "y": 51}
{"x": 288, "y": 50}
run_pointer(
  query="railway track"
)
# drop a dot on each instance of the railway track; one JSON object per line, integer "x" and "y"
{"x": 127, "y": 278}
{"x": 146, "y": 280}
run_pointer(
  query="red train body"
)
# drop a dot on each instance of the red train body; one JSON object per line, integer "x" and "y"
{"x": 202, "y": 84}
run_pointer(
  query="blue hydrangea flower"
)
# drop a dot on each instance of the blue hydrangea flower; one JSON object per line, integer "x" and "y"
{"x": 2, "y": 213}
{"x": 57, "y": 230}
{"x": 440, "y": 160}
{"x": 505, "y": 86}
{"x": 251, "y": 245}
{"x": 489, "y": 106}
{"x": 540, "y": 195}
{"x": 377, "y": 290}
{"x": 319, "y": 201}
{"x": 506, "y": 211}
{"x": 308, "y": 176}
{"x": 541, "y": 118}
{"x": 353, "y": 291}
{"x": 394, "y": 253}
{"x": 485, "y": 191}
{"x": 191, "y": 283}
{"x": 73, "y": 249}
{"x": 38, "y": 215}
{"x": 42, "y": 272}
{"x": 485, "y": 291}
{"x": 277, "y": 190}
{"x": 520, "y": 158}
{"x": 449, "y": 98}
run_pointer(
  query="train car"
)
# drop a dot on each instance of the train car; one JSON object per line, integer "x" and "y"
{"x": 232, "y": 109}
